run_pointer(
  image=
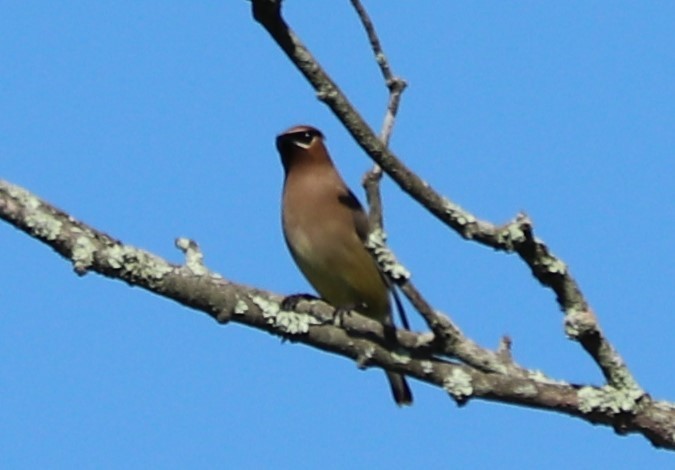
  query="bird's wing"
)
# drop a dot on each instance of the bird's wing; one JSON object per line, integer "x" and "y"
{"x": 361, "y": 224}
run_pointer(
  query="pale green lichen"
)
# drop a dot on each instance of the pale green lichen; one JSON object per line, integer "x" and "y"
{"x": 424, "y": 339}
{"x": 376, "y": 244}
{"x": 292, "y": 323}
{"x": 136, "y": 264}
{"x": 83, "y": 253}
{"x": 401, "y": 357}
{"x": 25, "y": 198}
{"x": 268, "y": 308}
{"x": 458, "y": 384}
{"x": 194, "y": 258}
{"x": 555, "y": 266}
{"x": 183, "y": 243}
{"x": 578, "y": 322}
{"x": 196, "y": 267}
{"x": 115, "y": 256}
{"x": 463, "y": 219}
{"x": 42, "y": 222}
{"x": 511, "y": 235}
{"x": 427, "y": 367}
{"x": 456, "y": 212}
{"x": 539, "y": 376}
{"x": 145, "y": 265}
{"x": 365, "y": 356}
{"x": 608, "y": 399}
{"x": 240, "y": 307}
{"x": 325, "y": 95}
{"x": 525, "y": 390}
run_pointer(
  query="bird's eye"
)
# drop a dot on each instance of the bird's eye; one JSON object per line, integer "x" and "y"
{"x": 305, "y": 137}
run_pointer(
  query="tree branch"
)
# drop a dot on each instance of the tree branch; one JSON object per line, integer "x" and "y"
{"x": 448, "y": 335}
{"x": 396, "y": 86}
{"x": 358, "y": 338}
{"x": 484, "y": 374}
{"x": 516, "y": 236}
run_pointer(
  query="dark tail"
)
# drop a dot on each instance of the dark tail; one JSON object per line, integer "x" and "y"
{"x": 400, "y": 389}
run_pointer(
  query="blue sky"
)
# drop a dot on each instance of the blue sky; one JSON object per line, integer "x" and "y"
{"x": 153, "y": 120}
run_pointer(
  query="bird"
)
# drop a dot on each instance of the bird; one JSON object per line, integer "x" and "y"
{"x": 325, "y": 228}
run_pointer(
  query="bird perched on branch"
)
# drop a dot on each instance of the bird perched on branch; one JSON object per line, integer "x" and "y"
{"x": 325, "y": 229}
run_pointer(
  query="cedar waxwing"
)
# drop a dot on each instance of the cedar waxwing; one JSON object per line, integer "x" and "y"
{"x": 325, "y": 228}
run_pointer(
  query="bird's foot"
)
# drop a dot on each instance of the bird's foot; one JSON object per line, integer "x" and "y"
{"x": 291, "y": 302}
{"x": 343, "y": 312}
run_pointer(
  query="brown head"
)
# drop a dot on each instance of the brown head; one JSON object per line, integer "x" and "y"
{"x": 302, "y": 145}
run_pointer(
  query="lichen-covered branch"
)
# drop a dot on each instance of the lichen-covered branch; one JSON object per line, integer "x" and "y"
{"x": 448, "y": 338}
{"x": 447, "y": 334}
{"x": 516, "y": 236}
{"x": 357, "y": 337}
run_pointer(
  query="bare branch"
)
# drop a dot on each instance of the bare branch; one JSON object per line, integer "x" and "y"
{"x": 380, "y": 58}
{"x": 396, "y": 85}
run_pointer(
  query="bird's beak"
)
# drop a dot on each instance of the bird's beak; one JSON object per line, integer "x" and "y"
{"x": 282, "y": 144}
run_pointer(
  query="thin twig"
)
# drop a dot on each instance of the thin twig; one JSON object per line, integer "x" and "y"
{"x": 447, "y": 335}
{"x": 374, "y": 41}
{"x": 445, "y": 331}
{"x": 396, "y": 85}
